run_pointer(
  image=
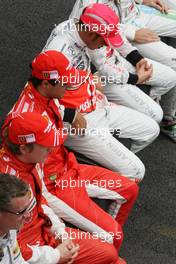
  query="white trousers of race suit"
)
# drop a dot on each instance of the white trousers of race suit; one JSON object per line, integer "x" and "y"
{"x": 108, "y": 151}
{"x": 170, "y": 3}
{"x": 161, "y": 52}
{"x": 163, "y": 82}
{"x": 158, "y": 51}
{"x": 99, "y": 144}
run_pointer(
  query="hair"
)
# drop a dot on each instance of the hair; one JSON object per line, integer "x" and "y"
{"x": 11, "y": 187}
{"x": 15, "y": 148}
{"x": 35, "y": 82}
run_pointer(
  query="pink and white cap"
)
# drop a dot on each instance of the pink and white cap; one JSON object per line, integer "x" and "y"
{"x": 102, "y": 20}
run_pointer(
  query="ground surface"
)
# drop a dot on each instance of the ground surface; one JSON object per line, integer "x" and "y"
{"x": 150, "y": 234}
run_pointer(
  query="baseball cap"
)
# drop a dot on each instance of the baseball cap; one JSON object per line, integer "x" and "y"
{"x": 30, "y": 127}
{"x": 103, "y": 20}
{"x": 53, "y": 65}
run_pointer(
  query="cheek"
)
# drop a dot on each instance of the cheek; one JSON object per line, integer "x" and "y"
{"x": 38, "y": 156}
{"x": 44, "y": 153}
{"x": 12, "y": 222}
{"x": 59, "y": 92}
{"x": 62, "y": 91}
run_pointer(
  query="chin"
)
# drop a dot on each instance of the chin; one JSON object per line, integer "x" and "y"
{"x": 39, "y": 160}
{"x": 19, "y": 227}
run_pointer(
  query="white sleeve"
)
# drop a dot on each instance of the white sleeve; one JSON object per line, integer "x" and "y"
{"x": 109, "y": 66}
{"x": 127, "y": 47}
{"x": 79, "y": 7}
{"x": 44, "y": 255}
{"x": 58, "y": 227}
{"x": 129, "y": 30}
{"x": 61, "y": 108}
{"x": 77, "y": 10}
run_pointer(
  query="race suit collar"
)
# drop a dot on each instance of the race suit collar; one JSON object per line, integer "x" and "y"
{"x": 42, "y": 99}
{"x": 18, "y": 165}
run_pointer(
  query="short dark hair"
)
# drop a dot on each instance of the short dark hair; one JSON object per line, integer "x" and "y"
{"x": 35, "y": 82}
{"x": 11, "y": 187}
{"x": 14, "y": 148}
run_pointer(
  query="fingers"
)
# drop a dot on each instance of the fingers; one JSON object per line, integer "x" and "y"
{"x": 74, "y": 249}
{"x": 161, "y": 6}
{"x": 74, "y": 252}
{"x": 145, "y": 35}
{"x": 149, "y": 74}
{"x": 166, "y": 9}
{"x": 69, "y": 246}
{"x": 69, "y": 243}
{"x": 152, "y": 38}
{"x": 143, "y": 63}
{"x": 158, "y": 6}
{"x": 73, "y": 257}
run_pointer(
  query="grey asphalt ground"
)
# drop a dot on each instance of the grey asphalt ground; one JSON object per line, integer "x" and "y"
{"x": 150, "y": 234}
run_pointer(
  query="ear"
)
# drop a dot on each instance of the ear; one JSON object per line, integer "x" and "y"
{"x": 45, "y": 84}
{"x": 44, "y": 87}
{"x": 24, "y": 149}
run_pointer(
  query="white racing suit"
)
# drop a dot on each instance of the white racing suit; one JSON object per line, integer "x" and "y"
{"x": 10, "y": 250}
{"x": 163, "y": 81}
{"x": 170, "y": 3}
{"x": 132, "y": 19}
{"x": 104, "y": 149}
{"x": 116, "y": 68}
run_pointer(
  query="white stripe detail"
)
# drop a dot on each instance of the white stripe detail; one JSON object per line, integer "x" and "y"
{"x": 102, "y": 21}
{"x": 64, "y": 211}
{"x": 18, "y": 110}
{"x": 25, "y": 108}
{"x": 7, "y": 168}
{"x": 103, "y": 193}
{"x": 55, "y": 139}
{"x": 95, "y": 191}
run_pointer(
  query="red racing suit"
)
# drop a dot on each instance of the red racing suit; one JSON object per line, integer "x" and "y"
{"x": 37, "y": 239}
{"x": 34, "y": 233}
{"x": 73, "y": 203}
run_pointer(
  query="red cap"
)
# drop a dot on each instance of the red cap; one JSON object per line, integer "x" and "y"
{"x": 53, "y": 65}
{"x": 30, "y": 127}
{"x": 102, "y": 20}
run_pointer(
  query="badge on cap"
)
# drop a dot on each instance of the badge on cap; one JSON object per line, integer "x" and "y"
{"x": 50, "y": 75}
{"x": 23, "y": 139}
